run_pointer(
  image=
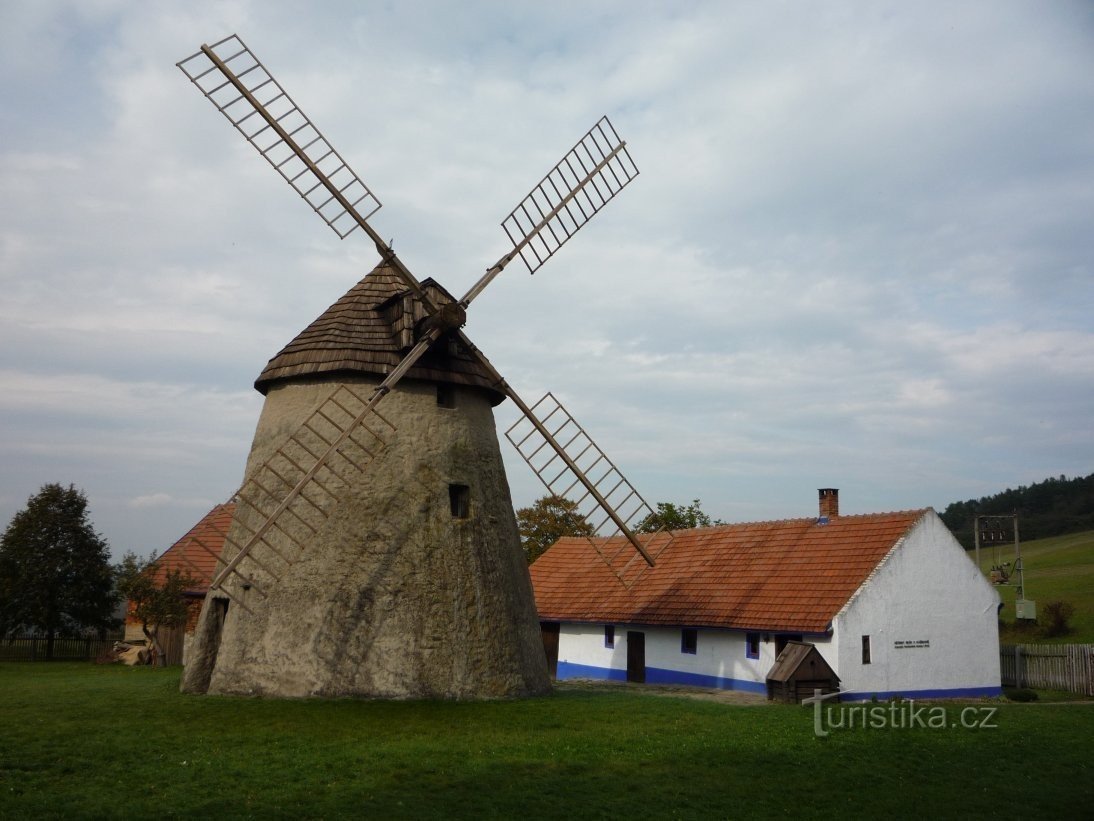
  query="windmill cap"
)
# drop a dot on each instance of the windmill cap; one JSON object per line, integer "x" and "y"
{"x": 368, "y": 332}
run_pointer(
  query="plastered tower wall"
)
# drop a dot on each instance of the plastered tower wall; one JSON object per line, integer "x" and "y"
{"x": 396, "y": 596}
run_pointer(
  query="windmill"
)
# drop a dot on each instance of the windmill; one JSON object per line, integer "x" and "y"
{"x": 373, "y": 550}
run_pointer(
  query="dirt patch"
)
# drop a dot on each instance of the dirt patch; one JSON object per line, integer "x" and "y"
{"x": 672, "y": 690}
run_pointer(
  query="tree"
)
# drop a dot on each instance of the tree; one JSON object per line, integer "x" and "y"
{"x": 1053, "y": 507}
{"x": 548, "y": 520}
{"x": 677, "y": 517}
{"x": 55, "y": 573}
{"x": 156, "y": 597}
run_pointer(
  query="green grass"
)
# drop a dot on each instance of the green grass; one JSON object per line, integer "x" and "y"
{"x": 80, "y": 741}
{"x": 1058, "y": 568}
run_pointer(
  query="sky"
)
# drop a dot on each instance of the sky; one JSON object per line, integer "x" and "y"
{"x": 858, "y": 255}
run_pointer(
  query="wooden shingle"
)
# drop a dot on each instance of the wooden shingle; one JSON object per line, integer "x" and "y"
{"x": 369, "y": 331}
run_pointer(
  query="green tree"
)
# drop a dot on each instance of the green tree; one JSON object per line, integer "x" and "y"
{"x": 548, "y": 520}
{"x": 677, "y": 517}
{"x": 1053, "y": 507}
{"x": 55, "y": 574}
{"x": 156, "y": 598}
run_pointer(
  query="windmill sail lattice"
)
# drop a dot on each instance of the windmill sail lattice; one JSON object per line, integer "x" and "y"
{"x": 588, "y": 177}
{"x": 241, "y": 88}
{"x": 609, "y": 504}
{"x": 345, "y": 572}
{"x": 282, "y": 504}
{"x": 213, "y": 550}
{"x": 295, "y": 490}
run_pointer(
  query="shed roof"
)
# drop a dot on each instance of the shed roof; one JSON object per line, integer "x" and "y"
{"x": 196, "y": 553}
{"x": 368, "y": 331}
{"x": 794, "y": 656}
{"x": 792, "y": 575}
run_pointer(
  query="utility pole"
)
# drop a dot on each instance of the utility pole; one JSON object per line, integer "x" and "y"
{"x": 994, "y": 535}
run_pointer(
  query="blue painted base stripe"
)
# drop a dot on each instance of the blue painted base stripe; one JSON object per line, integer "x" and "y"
{"x": 568, "y": 669}
{"x": 953, "y": 692}
{"x": 659, "y": 675}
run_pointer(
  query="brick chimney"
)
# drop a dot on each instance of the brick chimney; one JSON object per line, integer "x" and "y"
{"x": 829, "y": 503}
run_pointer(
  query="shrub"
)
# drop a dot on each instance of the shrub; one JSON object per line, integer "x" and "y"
{"x": 1023, "y": 694}
{"x": 1057, "y": 615}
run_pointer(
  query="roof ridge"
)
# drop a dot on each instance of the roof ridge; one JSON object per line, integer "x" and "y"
{"x": 811, "y": 520}
{"x": 787, "y": 574}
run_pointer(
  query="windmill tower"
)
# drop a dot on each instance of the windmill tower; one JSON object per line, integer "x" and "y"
{"x": 374, "y": 549}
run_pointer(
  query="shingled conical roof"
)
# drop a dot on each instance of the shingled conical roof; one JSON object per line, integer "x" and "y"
{"x": 369, "y": 331}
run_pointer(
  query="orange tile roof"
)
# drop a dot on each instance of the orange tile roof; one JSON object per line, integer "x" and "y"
{"x": 791, "y": 575}
{"x": 196, "y": 553}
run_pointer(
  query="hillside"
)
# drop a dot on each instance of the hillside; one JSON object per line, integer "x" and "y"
{"x": 1061, "y": 567}
{"x": 1050, "y": 508}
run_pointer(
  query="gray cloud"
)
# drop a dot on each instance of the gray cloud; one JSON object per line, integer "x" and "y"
{"x": 858, "y": 253}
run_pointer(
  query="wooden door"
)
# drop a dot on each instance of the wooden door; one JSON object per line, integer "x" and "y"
{"x": 636, "y": 656}
{"x": 171, "y": 639}
{"x": 783, "y": 639}
{"x": 550, "y": 631}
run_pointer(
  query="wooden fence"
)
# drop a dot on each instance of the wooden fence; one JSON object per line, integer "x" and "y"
{"x": 35, "y": 648}
{"x": 1049, "y": 666}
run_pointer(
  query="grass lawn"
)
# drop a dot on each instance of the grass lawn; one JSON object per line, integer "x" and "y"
{"x": 80, "y": 741}
{"x": 1058, "y": 568}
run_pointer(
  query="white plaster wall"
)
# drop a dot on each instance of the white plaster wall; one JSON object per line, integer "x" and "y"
{"x": 926, "y": 590}
{"x": 133, "y": 633}
{"x": 719, "y": 653}
{"x": 584, "y": 644}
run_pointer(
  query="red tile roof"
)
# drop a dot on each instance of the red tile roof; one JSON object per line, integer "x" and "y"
{"x": 791, "y": 575}
{"x": 196, "y": 553}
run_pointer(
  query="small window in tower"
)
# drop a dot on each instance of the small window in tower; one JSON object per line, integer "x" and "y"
{"x": 459, "y": 498}
{"x": 446, "y": 396}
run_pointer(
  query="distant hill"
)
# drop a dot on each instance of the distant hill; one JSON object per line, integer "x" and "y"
{"x": 1053, "y": 507}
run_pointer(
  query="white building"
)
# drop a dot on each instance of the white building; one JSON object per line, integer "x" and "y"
{"x": 891, "y": 601}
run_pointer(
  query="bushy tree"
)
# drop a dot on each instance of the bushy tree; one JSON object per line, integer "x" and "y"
{"x": 55, "y": 574}
{"x": 669, "y": 516}
{"x": 155, "y": 597}
{"x": 548, "y": 520}
{"x": 1056, "y": 616}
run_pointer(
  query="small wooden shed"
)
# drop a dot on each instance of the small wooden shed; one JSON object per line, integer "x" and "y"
{"x": 797, "y": 672}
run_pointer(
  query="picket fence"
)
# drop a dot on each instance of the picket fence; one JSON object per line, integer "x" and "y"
{"x": 35, "y": 648}
{"x": 1049, "y": 666}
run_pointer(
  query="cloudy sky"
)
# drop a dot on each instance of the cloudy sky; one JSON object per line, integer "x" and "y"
{"x": 859, "y": 253}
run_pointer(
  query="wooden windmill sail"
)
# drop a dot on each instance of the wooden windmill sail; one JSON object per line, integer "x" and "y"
{"x": 344, "y": 544}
